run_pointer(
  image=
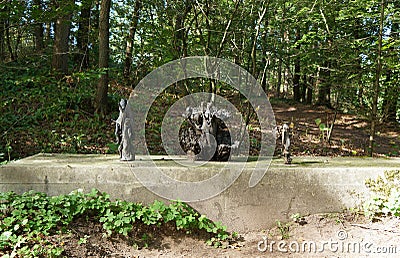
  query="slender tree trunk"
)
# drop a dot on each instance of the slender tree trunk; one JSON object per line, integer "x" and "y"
{"x": 178, "y": 34}
{"x": 324, "y": 89}
{"x": 360, "y": 97}
{"x": 61, "y": 44}
{"x": 254, "y": 49}
{"x": 48, "y": 33}
{"x": 378, "y": 71}
{"x": 104, "y": 51}
{"x": 18, "y": 42}
{"x": 309, "y": 95}
{"x": 324, "y": 93}
{"x": 279, "y": 82}
{"x": 83, "y": 36}
{"x": 227, "y": 28}
{"x": 296, "y": 78}
{"x": 131, "y": 38}
{"x": 38, "y": 29}
{"x": 213, "y": 88}
{"x": 8, "y": 40}
{"x": 287, "y": 73}
{"x": 392, "y": 91}
{"x": 310, "y": 87}
{"x": 2, "y": 29}
{"x": 391, "y": 96}
{"x": 264, "y": 84}
{"x": 303, "y": 89}
{"x": 266, "y": 60}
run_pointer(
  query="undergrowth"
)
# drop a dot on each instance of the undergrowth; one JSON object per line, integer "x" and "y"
{"x": 385, "y": 195}
{"x": 43, "y": 114}
{"x": 27, "y": 220}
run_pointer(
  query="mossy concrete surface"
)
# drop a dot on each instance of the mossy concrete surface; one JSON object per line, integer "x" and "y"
{"x": 309, "y": 185}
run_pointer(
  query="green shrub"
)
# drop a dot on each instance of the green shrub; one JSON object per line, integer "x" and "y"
{"x": 26, "y": 220}
{"x": 385, "y": 195}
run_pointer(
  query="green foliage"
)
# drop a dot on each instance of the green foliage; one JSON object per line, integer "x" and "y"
{"x": 26, "y": 220}
{"x": 385, "y": 195}
{"x": 325, "y": 130}
{"x": 42, "y": 114}
{"x": 283, "y": 229}
{"x": 333, "y": 45}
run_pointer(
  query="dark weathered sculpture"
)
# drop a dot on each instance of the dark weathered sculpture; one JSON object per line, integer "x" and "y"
{"x": 285, "y": 134}
{"x": 124, "y": 132}
{"x": 206, "y": 136}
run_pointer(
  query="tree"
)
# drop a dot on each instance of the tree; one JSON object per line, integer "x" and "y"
{"x": 377, "y": 81}
{"x": 61, "y": 41}
{"x": 297, "y": 75}
{"x": 130, "y": 39}
{"x": 392, "y": 90}
{"x": 82, "y": 38}
{"x": 7, "y": 27}
{"x": 38, "y": 30}
{"x": 2, "y": 35}
{"x": 104, "y": 52}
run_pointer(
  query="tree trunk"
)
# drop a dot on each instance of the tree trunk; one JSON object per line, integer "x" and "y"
{"x": 254, "y": 45}
{"x": 378, "y": 71}
{"x": 392, "y": 90}
{"x": 48, "y": 33}
{"x": 303, "y": 89}
{"x": 2, "y": 27}
{"x": 279, "y": 82}
{"x": 8, "y": 40}
{"x": 324, "y": 90}
{"x": 38, "y": 28}
{"x": 296, "y": 78}
{"x": 61, "y": 46}
{"x": 130, "y": 39}
{"x": 83, "y": 36}
{"x": 309, "y": 95}
{"x": 104, "y": 51}
{"x": 213, "y": 88}
{"x": 391, "y": 96}
{"x": 324, "y": 93}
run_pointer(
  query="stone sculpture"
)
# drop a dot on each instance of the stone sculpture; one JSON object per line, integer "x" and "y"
{"x": 285, "y": 135}
{"x": 124, "y": 132}
{"x": 206, "y": 136}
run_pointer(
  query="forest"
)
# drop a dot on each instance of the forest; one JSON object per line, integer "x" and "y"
{"x": 65, "y": 64}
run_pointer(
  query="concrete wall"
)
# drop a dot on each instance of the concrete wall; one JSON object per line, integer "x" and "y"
{"x": 310, "y": 185}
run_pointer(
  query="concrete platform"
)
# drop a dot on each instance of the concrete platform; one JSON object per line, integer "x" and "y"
{"x": 309, "y": 185}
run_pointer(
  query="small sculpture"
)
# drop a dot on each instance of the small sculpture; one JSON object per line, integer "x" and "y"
{"x": 206, "y": 137}
{"x": 285, "y": 134}
{"x": 124, "y": 132}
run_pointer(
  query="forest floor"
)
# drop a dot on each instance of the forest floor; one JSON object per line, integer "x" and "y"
{"x": 328, "y": 235}
{"x": 350, "y": 134}
{"x": 69, "y": 127}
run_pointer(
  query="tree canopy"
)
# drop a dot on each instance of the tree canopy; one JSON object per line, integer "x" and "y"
{"x": 340, "y": 54}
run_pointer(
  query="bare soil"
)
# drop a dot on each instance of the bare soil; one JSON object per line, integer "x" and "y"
{"x": 319, "y": 235}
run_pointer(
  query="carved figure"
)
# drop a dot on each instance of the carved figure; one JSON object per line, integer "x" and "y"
{"x": 206, "y": 136}
{"x": 286, "y": 143}
{"x": 124, "y": 132}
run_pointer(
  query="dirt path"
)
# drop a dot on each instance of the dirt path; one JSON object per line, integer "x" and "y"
{"x": 321, "y": 235}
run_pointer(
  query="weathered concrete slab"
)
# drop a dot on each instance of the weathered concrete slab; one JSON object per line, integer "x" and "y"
{"x": 309, "y": 185}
